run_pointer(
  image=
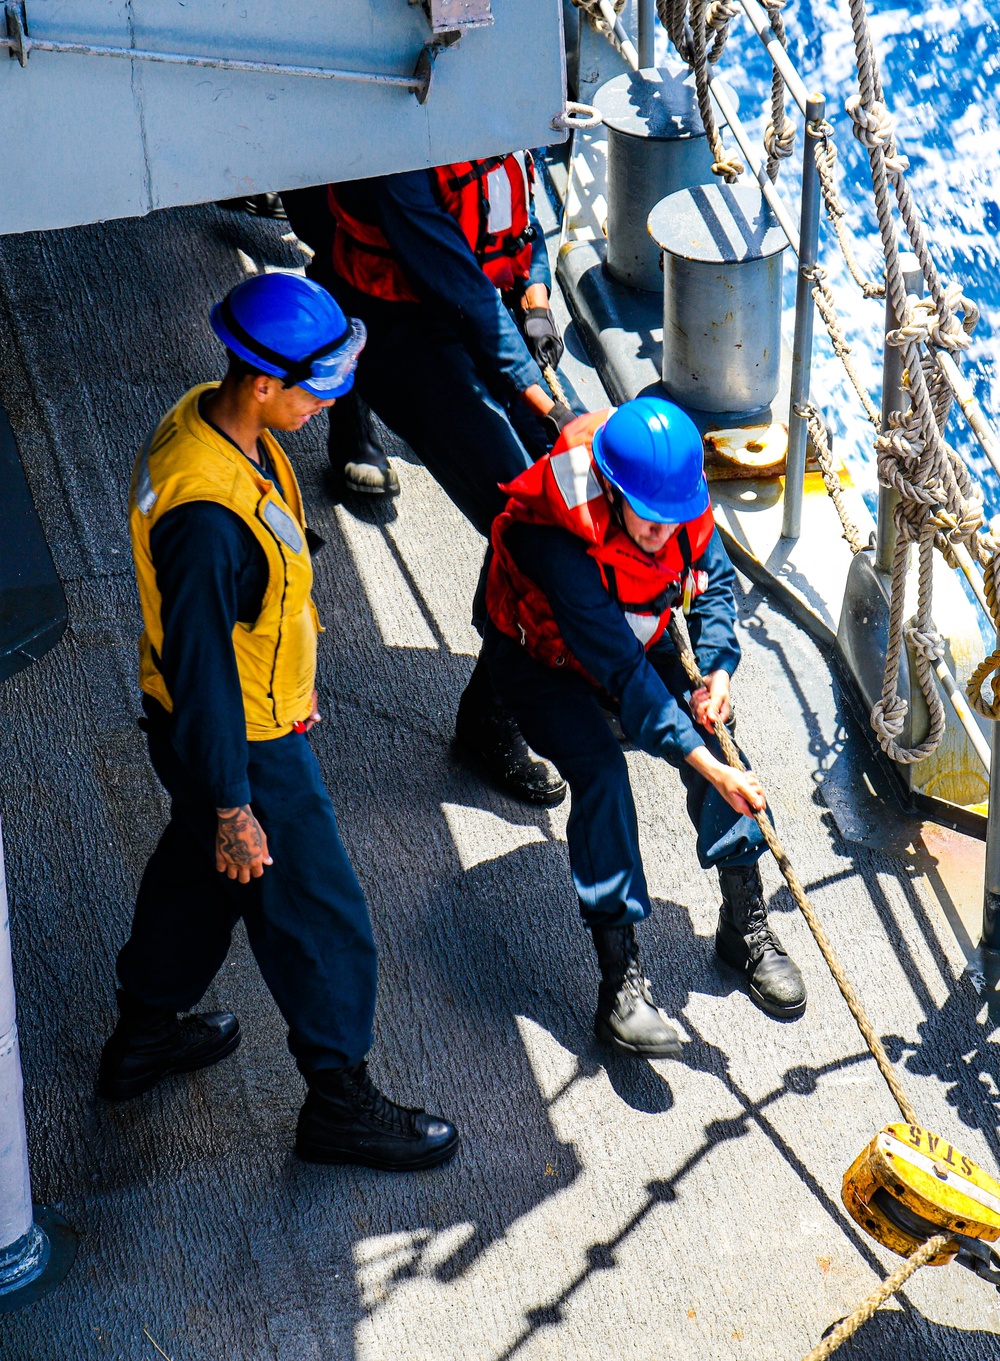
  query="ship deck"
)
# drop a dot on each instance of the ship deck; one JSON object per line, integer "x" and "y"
{"x": 599, "y": 1206}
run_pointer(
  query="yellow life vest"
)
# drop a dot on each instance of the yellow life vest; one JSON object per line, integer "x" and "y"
{"x": 186, "y": 460}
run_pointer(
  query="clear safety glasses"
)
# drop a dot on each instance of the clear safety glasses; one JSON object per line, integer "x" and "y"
{"x": 331, "y": 371}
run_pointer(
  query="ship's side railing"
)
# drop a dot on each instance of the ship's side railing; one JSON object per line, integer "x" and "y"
{"x": 804, "y": 239}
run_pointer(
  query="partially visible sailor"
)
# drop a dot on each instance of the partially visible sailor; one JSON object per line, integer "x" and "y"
{"x": 227, "y": 668}
{"x": 448, "y": 270}
{"x": 599, "y": 542}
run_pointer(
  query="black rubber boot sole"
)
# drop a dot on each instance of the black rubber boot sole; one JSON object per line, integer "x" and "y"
{"x": 125, "y": 1090}
{"x": 779, "y": 1012}
{"x": 363, "y": 489}
{"x": 607, "y": 1036}
{"x": 327, "y": 1156}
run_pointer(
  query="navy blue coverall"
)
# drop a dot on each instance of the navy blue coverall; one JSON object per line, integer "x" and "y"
{"x": 445, "y": 373}
{"x": 306, "y": 917}
{"x": 560, "y": 716}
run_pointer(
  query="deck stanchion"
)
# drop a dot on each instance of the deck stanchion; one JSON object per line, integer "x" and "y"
{"x": 36, "y": 1249}
{"x": 646, "y": 25}
{"x": 795, "y": 462}
{"x": 893, "y": 399}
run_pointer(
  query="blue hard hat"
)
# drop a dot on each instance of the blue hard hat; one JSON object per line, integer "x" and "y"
{"x": 651, "y": 452}
{"x": 292, "y": 328}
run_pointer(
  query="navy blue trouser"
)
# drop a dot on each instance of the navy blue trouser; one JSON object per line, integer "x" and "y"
{"x": 560, "y": 717}
{"x": 418, "y": 375}
{"x": 306, "y": 917}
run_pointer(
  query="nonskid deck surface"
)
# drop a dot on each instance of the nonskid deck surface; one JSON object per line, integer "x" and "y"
{"x": 599, "y": 1206}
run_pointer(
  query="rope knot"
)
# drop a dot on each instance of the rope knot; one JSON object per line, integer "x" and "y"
{"x": 782, "y": 144}
{"x": 926, "y": 643}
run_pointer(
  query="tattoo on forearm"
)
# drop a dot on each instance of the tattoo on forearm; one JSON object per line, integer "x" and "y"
{"x": 240, "y": 838}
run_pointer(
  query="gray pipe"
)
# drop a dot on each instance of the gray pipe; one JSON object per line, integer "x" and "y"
{"x": 646, "y": 25}
{"x": 805, "y": 311}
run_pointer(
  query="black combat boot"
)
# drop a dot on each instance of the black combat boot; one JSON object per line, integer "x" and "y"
{"x": 148, "y": 1043}
{"x": 356, "y": 455}
{"x": 745, "y": 940}
{"x": 346, "y": 1119}
{"x": 626, "y": 1014}
{"x": 486, "y": 730}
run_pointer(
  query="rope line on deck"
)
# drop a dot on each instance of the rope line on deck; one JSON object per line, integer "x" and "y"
{"x": 922, "y": 1255}
{"x": 682, "y": 642}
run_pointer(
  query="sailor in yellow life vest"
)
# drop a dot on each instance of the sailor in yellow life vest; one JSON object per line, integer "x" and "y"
{"x": 227, "y": 665}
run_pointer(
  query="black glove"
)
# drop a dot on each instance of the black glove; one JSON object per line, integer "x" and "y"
{"x": 555, "y": 419}
{"x": 541, "y": 335}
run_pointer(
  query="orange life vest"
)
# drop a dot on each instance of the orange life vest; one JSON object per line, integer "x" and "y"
{"x": 563, "y": 489}
{"x": 491, "y": 202}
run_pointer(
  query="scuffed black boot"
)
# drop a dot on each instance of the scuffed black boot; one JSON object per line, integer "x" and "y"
{"x": 356, "y": 456}
{"x": 148, "y": 1043}
{"x": 486, "y": 730}
{"x": 745, "y": 940}
{"x": 626, "y": 1014}
{"x": 346, "y": 1119}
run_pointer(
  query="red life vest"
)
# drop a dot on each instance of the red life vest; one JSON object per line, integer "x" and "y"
{"x": 490, "y": 200}
{"x": 563, "y": 489}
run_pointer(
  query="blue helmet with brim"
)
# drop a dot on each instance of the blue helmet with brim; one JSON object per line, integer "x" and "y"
{"x": 291, "y": 328}
{"x": 650, "y": 451}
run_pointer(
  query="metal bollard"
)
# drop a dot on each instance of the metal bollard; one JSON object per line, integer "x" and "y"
{"x": 36, "y": 1250}
{"x": 656, "y": 145}
{"x": 805, "y": 313}
{"x": 894, "y": 398}
{"x": 722, "y": 249}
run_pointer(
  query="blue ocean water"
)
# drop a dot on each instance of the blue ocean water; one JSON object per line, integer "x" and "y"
{"x": 939, "y": 65}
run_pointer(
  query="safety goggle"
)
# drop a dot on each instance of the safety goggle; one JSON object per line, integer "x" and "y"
{"x": 329, "y": 368}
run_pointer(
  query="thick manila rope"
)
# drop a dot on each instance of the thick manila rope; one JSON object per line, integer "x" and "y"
{"x": 848, "y": 1326}
{"x": 923, "y": 1254}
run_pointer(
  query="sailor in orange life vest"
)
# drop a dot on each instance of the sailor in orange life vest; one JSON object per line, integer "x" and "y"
{"x": 600, "y": 540}
{"x": 227, "y": 666}
{"x": 449, "y": 274}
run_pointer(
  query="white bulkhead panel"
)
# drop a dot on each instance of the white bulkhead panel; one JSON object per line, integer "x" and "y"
{"x": 90, "y": 137}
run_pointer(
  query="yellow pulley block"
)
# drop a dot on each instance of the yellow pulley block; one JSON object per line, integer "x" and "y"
{"x": 909, "y": 1185}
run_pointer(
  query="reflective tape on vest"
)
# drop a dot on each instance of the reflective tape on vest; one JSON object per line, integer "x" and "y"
{"x": 574, "y": 475}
